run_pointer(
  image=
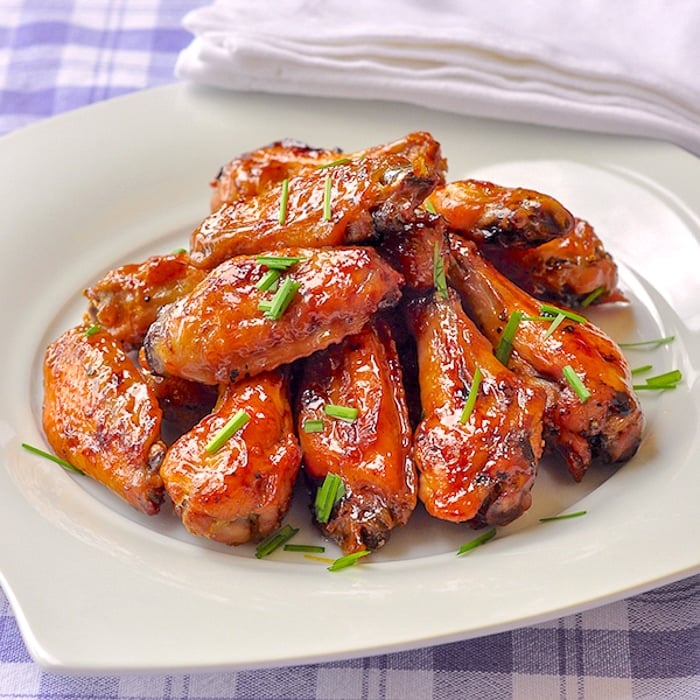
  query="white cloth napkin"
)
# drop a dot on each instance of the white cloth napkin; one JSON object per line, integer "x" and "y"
{"x": 625, "y": 67}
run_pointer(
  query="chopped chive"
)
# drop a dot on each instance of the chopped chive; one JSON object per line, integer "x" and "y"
{"x": 505, "y": 344}
{"x": 313, "y": 557}
{"x": 283, "y": 298}
{"x": 347, "y": 560}
{"x": 563, "y": 516}
{"x": 537, "y": 318}
{"x": 269, "y": 280}
{"x": 575, "y": 383}
{"x": 477, "y": 541}
{"x": 667, "y": 380}
{"x": 312, "y": 426}
{"x": 592, "y": 296}
{"x": 333, "y": 163}
{"x": 471, "y": 398}
{"x": 439, "y": 272}
{"x": 53, "y": 458}
{"x": 304, "y": 548}
{"x": 549, "y": 310}
{"x": 233, "y": 425}
{"x": 277, "y": 262}
{"x": 554, "y": 325}
{"x": 327, "y": 198}
{"x": 649, "y": 343}
{"x": 275, "y": 540}
{"x": 92, "y": 330}
{"x": 429, "y": 206}
{"x": 179, "y": 251}
{"x": 346, "y": 413}
{"x": 328, "y": 494}
{"x": 640, "y": 370}
{"x": 284, "y": 198}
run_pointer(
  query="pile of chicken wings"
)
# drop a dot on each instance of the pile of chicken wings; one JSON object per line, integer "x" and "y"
{"x": 350, "y": 314}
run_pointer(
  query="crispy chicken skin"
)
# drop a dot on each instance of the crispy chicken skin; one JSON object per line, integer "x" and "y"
{"x": 343, "y": 204}
{"x": 608, "y": 425}
{"x": 480, "y": 471}
{"x": 218, "y": 333}
{"x": 371, "y": 454}
{"x": 251, "y": 173}
{"x": 126, "y": 300}
{"x": 564, "y": 270}
{"x": 488, "y": 213}
{"x": 242, "y": 491}
{"x": 101, "y": 417}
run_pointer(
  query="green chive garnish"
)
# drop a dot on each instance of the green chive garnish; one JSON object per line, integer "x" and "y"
{"x": 649, "y": 343}
{"x": 275, "y": 540}
{"x": 304, "y": 548}
{"x": 233, "y": 425}
{"x": 505, "y": 344}
{"x": 312, "y": 426}
{"x": 347, "y": 560}
{"x": 327, "y": 495}
{"x": 92, "y": 330}
{"x": 640, "y": 370}
{"x": 549, "y": 310}
{"x": 179, "y": 251}
{"x": 477, "y": 541}
{"x": 564, "y": 516}
{"x": 345, "y": 413}
{"x": 283, "y": 298}
{"x": 284, "y": 198}
{"x": 269, "y": 280}
{"x": 667, "y": 380}
{"x": 592, "y": 296}
{"x": 575, "y": 383}
{"x": 327, "y": 198}
{"x": 332, "y": 164}
{"x": 429, "y": 206}
{"x": 439, "y": 272}
{"x": 277, "y": 262}
{"x": 471, "y": 398}
{"x": 53, "y": 458}
{"x": 554, "y": 325}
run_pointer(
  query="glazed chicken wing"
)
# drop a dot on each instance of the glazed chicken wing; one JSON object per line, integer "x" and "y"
{"x": 371, "y": 454}
{"x": 218, "y": 332}
{"x": 101, "y": 416}
{"x": 242, "y": 490}
{"x": 127, "y": 299}
{"x": 476, "y": 467}
{"x": 342, "y": 204}
{"x": 565, "y": 270}
{"x": 488, "y": 213}
{"x": 607, "y": 423}
{"x": 251, "y": 173}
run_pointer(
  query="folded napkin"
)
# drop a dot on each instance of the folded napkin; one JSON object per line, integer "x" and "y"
{"x": 625, "y": 67}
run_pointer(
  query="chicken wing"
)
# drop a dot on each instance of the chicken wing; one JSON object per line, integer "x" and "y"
{"x": 252, "y": 173}
{"x": 372, "y": 453}
{"x": 101, "y": 416}
{"x": 602, "y": 421}
{"x": 218, "y": 332}
{"x": 565, "y": 270}
{"x": 242, "y": 490}
{"x": 342, "y": 204}
{"x": 488, "y": 213}
{"x": 126, "y": 300}
{"x": 475, "y": 466}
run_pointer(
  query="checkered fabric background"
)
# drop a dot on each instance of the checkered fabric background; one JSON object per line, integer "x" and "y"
{"x": 57, "y": 55}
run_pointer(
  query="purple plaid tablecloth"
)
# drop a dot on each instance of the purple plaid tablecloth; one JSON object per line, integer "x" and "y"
{"x": 60, "y": 55}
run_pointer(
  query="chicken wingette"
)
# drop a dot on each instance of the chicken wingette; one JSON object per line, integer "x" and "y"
{"x": 592, "y": 409}
{"x": 370, "y": 452}
{"x": 477, "y": 463}
{"x": 237, "y": 489}
{"x": 102, "y": 417}
{"x": 219, "y": 331}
